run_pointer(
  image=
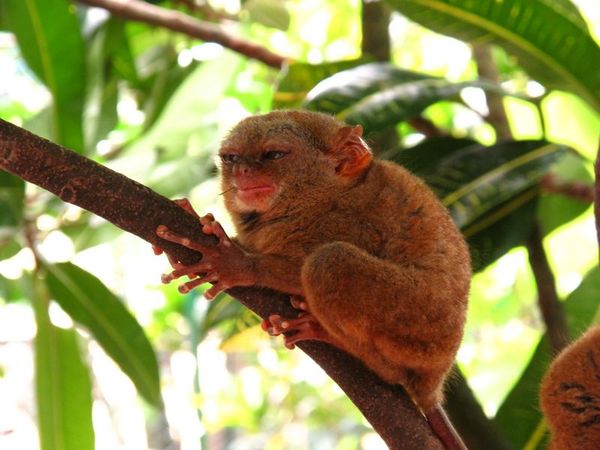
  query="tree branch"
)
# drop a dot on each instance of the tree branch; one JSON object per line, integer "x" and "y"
{"x": 550, "y": 306}
{"x": 138, "y": 210}
{"x": 487, "y": 70}
{"x": 176, "y": 21}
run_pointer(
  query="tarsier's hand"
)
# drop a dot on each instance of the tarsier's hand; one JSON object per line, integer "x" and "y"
{"x": 224, "y": 265}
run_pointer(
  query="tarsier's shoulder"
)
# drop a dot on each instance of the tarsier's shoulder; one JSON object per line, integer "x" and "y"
{"x": 570, "y": 395}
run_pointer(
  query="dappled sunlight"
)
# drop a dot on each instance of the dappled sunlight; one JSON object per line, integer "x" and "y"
{"x": 156, "y": 110}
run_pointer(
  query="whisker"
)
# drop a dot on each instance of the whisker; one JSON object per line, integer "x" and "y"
{"x": 227, "y": 190}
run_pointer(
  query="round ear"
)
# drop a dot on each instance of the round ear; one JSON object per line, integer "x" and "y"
{"x": 350, "y": 152}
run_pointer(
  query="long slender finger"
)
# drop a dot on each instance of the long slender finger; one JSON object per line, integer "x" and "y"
{"x": 187, "y": 287}
{"x": 219, "y": 232}
{"x": 298, "y": 302}
{"x": 207, "y": 218}
{"x": 214, "y": 290}
{"x": 194, "y": 269}
{"x": 163, "y": 232}
{"x": 275, "y": 321}
{"x": 185, "y": 204}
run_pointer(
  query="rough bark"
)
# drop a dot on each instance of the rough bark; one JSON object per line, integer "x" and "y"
{"x": 138, "y": 210}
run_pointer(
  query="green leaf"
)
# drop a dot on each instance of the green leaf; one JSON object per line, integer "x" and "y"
{"x": 548, "y": 37}
{"x": 63, "y": 387}
{"x": 271, "y": 13}
{"x": 12, "y": 194}
{"x": 299, "y": 78}
{"x": 92, "y": 305}
{"x": 473, "y": 180}
{"x": 379, "y": 95}
{"x": 502, "y": 228}
{"x": 519, "y": 415}
{"x": 50, "y": 40}
{"x": 9, "y": 246}
{"x": 12, "y": 290}
{"x": 491, "y": 192}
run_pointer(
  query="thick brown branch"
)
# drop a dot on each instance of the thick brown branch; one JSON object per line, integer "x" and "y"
{"x": 138, "y": 210}
{"x": 551, "y": 307}
{"x": 174, "y": 20}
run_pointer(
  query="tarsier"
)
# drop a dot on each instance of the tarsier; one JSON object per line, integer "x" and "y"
{"x": 570, "y": 395}
{"x": 367, "y": 253}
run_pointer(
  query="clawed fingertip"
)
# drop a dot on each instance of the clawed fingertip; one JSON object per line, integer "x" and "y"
{"x": 184, "y": 289}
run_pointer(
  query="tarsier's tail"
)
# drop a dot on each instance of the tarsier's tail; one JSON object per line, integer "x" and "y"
{"x": 443, "y": 428}
{"x": 570, "y": 395}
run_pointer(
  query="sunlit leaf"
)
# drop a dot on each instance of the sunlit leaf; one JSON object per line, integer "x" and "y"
{"x": 549, "y": 38}
{"x": 271, "y": 13}
{"x": 519, "y": 415}
{"x": 229, "y": 316}
{"x": 63, "y": 387}
{"x": 50, "y": 40}
{"x": 11, "y": 290}
{"x": 299, "y": 78}
{"x": 379, "y": 95}
{"x": 92, "y": 305}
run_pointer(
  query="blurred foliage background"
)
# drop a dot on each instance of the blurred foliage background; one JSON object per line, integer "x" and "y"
{"x": 494, "y": 103}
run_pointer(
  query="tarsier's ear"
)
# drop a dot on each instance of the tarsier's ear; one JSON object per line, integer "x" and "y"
{"x": 351, "y": 154}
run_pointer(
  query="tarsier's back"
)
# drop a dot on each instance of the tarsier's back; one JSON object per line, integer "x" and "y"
{"x": 570, "y": 395}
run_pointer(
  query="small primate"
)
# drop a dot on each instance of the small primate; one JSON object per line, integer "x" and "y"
{"x": 570, "y": 395}
{"x": 367, "y": 253}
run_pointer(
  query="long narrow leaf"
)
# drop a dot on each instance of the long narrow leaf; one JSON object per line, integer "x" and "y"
{"x": 491, "y": 192}
{"x": 475, "y": 179}
{"x": 379, "y": 95}
{"x": 549, "y": 38}
{"x": 299, "y": 78}
{"x": 63, "y": 387}
{"x": 92, "y": 305}
{"x": 50, "y": 40}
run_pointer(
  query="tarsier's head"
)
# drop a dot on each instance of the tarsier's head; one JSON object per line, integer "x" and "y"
{"x": 267, "y": 159}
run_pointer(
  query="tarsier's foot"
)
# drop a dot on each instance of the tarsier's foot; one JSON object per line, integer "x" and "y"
{"x": 305, "y": 327}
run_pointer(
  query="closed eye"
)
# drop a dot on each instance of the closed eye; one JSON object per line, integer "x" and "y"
{"x": 230, "y": 158}
{"x": 272, "y": 155}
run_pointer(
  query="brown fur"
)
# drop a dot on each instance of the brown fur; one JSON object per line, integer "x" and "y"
{"x": 382, "y": 266}
{"x": 570, "y": 395}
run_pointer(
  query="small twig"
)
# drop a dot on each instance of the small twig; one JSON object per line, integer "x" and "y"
{"x": 577, "y": 190}
{"x": 550, "y": 306}
{"x": 426, "y": 127}
{"x": 176, "y": 21}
